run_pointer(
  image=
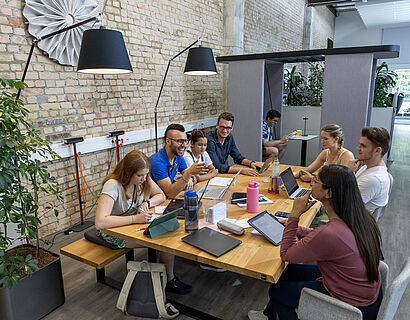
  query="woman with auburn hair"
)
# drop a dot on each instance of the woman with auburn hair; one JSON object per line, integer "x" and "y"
{"x": 126, "y": 198}
{"x": 347, "y": 250}
{"x": 333, "y": 153}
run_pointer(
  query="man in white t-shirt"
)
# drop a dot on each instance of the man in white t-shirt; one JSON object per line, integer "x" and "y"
{"x": 372, "y": 178}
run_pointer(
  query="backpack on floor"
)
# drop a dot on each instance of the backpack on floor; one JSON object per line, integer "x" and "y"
{"x": 143, "y": 291}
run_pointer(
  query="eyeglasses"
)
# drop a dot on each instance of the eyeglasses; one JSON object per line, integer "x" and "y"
{"x": 179, "y": 141}
{"x": 225, "y": 128}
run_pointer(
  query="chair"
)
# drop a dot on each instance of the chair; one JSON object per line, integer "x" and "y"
{"x": 379, "y": 211}
{"x": 314, "y": 305}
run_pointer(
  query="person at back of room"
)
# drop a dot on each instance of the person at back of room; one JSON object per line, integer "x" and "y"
{"x": 333, "y": 153}
{"x": 269, "y": 146}
{"x": 127, "y": 197}
{"x": 221, "y": 145}
{"x": 372, "y": 177}
{"x": 347, "y": 250}
{"x": 166, "y": 163}
{"x": 197, "y": 152}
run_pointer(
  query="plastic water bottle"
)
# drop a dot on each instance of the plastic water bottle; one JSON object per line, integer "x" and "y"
{"x": 274, "y": 178}
{"x": 191, "y": 210}
{"x": 252, "y": 196}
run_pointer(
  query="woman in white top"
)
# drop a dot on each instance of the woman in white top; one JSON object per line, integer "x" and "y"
{"x": 127, "y": 196}
{"x": 334, "y": 153}
{"x": 199, "y": 142}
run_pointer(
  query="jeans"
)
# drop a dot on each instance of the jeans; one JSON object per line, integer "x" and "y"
{"x": 285, "y": 294}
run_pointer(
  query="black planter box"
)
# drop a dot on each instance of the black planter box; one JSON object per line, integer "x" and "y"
{"x": 34, "y": 297}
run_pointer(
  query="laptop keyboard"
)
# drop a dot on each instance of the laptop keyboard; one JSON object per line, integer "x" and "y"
{"x": 302, "y": 193}
{"x": 213, "y": 193}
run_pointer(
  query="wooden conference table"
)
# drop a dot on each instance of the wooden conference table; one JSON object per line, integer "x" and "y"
{"x": 256, "y": 257}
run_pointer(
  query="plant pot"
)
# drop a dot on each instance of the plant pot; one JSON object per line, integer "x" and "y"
{"x": 34, "y": 296}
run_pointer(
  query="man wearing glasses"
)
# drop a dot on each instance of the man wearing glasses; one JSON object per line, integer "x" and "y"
{"x": 221, "y": 144}
{"x": 167, "y": 162}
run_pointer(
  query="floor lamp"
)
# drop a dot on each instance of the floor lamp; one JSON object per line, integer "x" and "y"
{"x": 200, "y": 61}
{"x": 102, "y": 51}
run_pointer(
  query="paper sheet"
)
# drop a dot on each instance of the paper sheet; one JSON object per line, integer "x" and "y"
{"x": 160, "y": 209}
{"x": 219, "y": 181}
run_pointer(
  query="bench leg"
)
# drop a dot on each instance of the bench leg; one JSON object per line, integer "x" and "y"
{"x": 129, "y": 256}
{"x": 101, "y": 278}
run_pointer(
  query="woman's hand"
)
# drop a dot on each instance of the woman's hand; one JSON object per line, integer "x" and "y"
{"x": 143, "y": 217}
{"x": 190, "y": 184}
{"x": 301, "y": 205}
{"x": 305, "y": 176}
{"x": 143, "y": 207}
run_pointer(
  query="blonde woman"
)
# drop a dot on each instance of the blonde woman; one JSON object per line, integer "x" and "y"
{"x": 128, "y": 195}
{"x": 333, "y": 153}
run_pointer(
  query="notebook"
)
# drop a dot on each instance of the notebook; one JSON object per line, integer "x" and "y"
{"x": 291, "y": 185}
{"x": 211, "y": 241}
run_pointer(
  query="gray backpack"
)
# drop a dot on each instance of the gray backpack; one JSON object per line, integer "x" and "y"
{"x": 143, "y": 291}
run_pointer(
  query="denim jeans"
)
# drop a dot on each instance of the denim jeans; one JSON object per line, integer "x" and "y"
{"x": 285, "y": 294}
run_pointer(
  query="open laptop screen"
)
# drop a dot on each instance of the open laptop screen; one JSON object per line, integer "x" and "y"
{"x": 289, "y": 181}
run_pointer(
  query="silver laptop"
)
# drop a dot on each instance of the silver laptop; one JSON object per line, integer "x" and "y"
{"x": 266, "y": 164}
{"x": 216, "y": 192}
{"x": 291, "y": 185}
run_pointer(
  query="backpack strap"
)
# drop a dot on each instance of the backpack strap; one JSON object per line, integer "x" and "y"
{"x": 159, "y": 298}
{"x": 122, "y": 299}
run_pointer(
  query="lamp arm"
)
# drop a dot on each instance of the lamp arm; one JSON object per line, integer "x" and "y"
{"x": 48, "y": 36}
{"x": 160, "y": 91}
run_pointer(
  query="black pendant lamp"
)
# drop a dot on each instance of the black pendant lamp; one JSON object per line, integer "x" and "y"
{"x": 200, "y": 62}
{"x": 103, "y": 51}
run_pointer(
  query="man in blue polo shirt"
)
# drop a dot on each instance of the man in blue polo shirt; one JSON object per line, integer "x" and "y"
{"x": 221, "y": 144}
{"x": 169, "y": 160}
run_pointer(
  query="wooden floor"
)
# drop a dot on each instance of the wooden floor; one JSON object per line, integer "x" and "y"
{"x": 228, "y": 295}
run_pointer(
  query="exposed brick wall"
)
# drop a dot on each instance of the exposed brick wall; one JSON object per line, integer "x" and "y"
{"x": 323, "y": 27}
{"x": 64, "y": 103}
{"x": 273, "y": 25}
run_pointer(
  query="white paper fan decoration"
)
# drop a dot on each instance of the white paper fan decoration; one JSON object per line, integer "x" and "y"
{"x": 46, "y": 16}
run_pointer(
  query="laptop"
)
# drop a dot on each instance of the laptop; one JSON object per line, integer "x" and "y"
{"x": 266, "y": 165}
{"x": 217, "y": 192}
{"x": 291, "y": 186}
{"x": 211, "y": 241}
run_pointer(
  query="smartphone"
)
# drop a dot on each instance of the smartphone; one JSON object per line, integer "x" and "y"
{"x": 282, "y": 214}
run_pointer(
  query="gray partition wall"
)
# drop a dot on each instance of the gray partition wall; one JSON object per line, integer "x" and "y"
{"x": 347, "y": 90}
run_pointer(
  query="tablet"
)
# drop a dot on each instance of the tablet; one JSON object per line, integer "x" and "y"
{"x": 268, "y": 226}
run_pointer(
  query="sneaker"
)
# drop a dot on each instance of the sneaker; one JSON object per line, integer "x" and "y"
{"x": 210, "y": 268}
{"x": 177, "y": 286}
{"x": 256, "y": 315}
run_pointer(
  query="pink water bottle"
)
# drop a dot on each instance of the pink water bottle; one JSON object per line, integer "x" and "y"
{"x": 252, "y": 196}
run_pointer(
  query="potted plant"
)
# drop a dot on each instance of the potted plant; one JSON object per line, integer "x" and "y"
{"x": 30, "y": 277}
{"x": 384, "y": 81}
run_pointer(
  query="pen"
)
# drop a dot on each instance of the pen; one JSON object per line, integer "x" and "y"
{"x": 139, "y": 229}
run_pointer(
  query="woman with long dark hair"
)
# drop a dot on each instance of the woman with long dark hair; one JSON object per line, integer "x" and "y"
{"x": 347, "y": 249}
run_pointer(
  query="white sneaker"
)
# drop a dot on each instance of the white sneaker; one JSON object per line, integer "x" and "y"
{"x": 211, "y": 268}
{"x": 256, "y": 315}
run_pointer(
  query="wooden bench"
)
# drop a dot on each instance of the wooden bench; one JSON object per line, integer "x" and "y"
{"x": 98, "y": 257}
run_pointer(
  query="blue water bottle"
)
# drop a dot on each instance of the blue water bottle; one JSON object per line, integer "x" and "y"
{"x": 191, "y": 210}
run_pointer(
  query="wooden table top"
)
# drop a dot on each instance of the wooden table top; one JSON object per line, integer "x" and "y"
{"x": 256, "y": 257}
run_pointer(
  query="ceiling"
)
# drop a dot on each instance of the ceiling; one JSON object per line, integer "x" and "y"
{"x": 374, "y": 13}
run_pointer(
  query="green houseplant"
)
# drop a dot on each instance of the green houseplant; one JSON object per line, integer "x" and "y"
{"x": 385, "y": 80}
{"x": 23, "y": 178}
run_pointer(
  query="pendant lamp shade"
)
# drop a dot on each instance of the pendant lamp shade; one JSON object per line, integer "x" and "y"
{"x": 200, "y": 61}
{"x": 103, "y": 51}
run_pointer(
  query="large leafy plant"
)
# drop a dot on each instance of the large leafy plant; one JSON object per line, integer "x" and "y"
{"x": 23, "y": 177}
{"x": 304, "y": 91}
{"x": 385, "y": 80}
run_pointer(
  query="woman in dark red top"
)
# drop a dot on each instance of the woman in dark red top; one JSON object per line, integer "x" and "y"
{"x": 347, "y": 249}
